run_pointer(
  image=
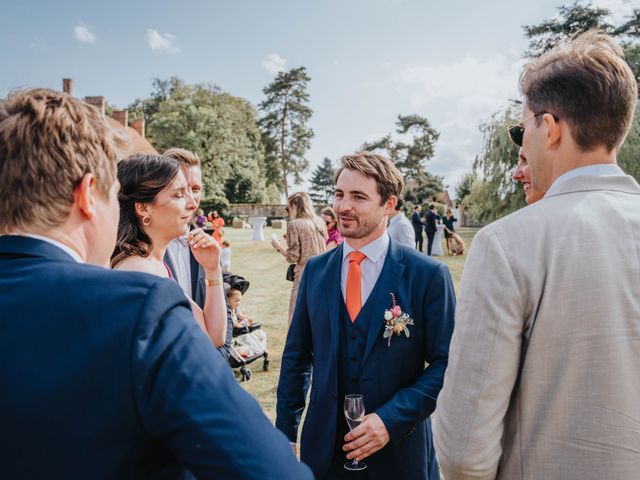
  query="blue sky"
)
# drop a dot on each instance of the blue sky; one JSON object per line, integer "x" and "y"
{"x": 454, "y": 62}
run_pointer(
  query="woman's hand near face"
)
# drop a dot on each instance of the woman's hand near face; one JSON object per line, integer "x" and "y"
{"x": 205, "y": 249}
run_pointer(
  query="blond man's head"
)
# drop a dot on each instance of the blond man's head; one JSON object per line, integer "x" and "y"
{"x": 48, "y": 142}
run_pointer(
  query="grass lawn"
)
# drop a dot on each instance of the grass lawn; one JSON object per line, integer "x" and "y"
{"x": 267, "y": 300}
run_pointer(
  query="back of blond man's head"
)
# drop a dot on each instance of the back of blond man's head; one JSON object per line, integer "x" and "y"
{"x": 586, "y": 82}
{"x": 48, "y": 142}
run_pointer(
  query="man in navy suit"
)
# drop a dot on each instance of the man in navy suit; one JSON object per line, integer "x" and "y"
{"x": 430, "y": 226}
{"x": 416, "y": 222}
{"x": 338, "y": 332}
{"x": 103, "y": 374}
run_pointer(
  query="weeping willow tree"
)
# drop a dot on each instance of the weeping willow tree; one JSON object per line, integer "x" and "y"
{"x": 493, "y": 192}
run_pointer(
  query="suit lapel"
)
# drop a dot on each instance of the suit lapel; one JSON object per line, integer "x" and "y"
{"x": 330, "y": 279}
{"x": 169, "y": 264}
{"x": 387, "y": 283}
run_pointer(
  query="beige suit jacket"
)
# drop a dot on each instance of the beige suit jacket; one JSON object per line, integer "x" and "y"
{"x": 544, "y": 371}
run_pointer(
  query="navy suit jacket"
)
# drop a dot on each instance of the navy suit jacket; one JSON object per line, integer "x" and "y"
{"x": 106, "y": 375}
{"x": 430, "y": 222}
{"x": 394, "y": 381}
{"x": 416, "y": 222}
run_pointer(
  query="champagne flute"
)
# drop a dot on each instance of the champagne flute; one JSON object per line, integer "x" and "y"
{"x": 354, "y": 413}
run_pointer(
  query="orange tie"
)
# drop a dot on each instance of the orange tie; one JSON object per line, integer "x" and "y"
{"x": 354, "y": 284}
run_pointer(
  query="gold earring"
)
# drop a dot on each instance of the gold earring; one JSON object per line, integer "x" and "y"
{"x": 146, "y": 221}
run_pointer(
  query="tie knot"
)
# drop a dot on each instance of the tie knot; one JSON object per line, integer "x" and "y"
{"x": 356, "y": 257}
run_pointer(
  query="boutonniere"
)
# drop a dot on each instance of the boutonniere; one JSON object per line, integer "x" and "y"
{"x": 396, "y": 321}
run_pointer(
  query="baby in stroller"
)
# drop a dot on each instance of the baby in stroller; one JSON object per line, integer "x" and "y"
{"x": 250, "y": 342}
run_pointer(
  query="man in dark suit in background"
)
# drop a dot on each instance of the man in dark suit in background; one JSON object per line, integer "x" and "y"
{"x": 416, "y": 223}
{"x": 103, "y": 374}
{"x": 339, "y": 327}
{"x": 430, "y": 226}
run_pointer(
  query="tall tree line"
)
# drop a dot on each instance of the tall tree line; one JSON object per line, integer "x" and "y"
{"x": 488, "y": 192}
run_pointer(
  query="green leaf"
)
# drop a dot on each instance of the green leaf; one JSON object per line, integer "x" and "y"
{"x": 406, "y": 332}
{"x": 387, "y": 334}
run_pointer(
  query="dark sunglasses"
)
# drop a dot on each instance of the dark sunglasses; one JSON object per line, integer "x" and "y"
{"x": 516, "y": 132}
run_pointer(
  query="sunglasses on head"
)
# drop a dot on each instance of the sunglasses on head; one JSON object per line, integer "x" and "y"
{"x": 516, "y": 132}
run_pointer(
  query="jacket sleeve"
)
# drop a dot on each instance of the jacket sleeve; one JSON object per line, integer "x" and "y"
{"x": 295, "y": 372}
{"x": 417, "y": 402}
{"x": 188, "y": 399}
{"x": 485, "y": 355}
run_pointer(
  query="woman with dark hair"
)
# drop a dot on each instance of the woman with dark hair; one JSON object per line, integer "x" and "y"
{"x": 333, "y": 235}
{"x": 155, "y": 208}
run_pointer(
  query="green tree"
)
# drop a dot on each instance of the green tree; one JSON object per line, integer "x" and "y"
{"x": 321, "y": 190}
{"x": 493, "y": 192}
{"x": 463, "y": 190}
{"x": 286, "y": 136}
{"x": 221, "y": 129}
{"x": 411, "y": 156}
{"x": 629, "y": 154}
{"x": 569, "y": 21}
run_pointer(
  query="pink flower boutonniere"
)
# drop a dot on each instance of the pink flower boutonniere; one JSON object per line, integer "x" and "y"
{"x": 396, "y": 321}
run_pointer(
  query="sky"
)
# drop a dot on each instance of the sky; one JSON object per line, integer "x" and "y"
{"x": 454, "y": 62}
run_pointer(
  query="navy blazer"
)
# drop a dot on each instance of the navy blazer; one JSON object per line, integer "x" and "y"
{"x": 394, "y": 381}
{"x": 106, "y": 375}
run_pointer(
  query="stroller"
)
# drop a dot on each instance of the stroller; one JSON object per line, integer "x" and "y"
{"x": 236, "y": 360}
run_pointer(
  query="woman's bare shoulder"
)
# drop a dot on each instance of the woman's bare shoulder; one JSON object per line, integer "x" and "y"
{"x": 139, "y": 264}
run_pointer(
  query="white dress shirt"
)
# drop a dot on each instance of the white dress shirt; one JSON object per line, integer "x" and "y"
{"x": 72, "y": 253}
{"x": 401, "y": 231}
{"x": 179, "y": 253}
{"x": 370, "y": 267}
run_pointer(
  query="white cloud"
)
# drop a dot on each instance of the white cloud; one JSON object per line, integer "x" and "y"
{"x": 274, "y": 64}
{"x": 161, "y": 42}
{"x": 83, "y": 34}
{"x": 456, "y": 98}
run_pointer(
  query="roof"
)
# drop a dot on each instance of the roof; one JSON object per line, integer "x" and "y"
{"x": 137, "y": 143}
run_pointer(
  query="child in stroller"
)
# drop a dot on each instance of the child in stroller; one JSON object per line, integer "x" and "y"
{"x": 249, "y": 341}
{"x": 230, "y": 349}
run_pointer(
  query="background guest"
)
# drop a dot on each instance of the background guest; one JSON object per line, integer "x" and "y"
{"x": 400, "y": 229}
{"x": 306, "y": 237}
{"x": 201, "y": 220}
{"x": 333, "y": 234}
{"x": 155, "y": 208}
{"x": 225, "y": 256}
{"x": 448, "y": 221}
{"x": 416, "y": 222}
{"x": 217, "y": 222}
{"x": 430, "y": 226}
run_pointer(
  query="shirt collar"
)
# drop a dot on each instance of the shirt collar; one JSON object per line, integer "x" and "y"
{"x": 72, "y": 253}
{"x": 596, "y": 170}
{"x": 395, "y": 219}
{"x": 374, "y": 250}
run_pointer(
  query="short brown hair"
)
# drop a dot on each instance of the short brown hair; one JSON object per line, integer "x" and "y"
{"x": 48, "y": 142}
{"x": 586, "y": 82}
{"x": 185, "y": 157}
{"x": 387, "y": 176}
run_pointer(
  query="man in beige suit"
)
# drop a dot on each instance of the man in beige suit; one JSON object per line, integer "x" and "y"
{"x": 544, "y": 371}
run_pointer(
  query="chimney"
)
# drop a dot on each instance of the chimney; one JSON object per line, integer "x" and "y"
{"x": 67, "y": 86}
{"x": 121, "y": 116}
{"x": 138, "y": 125}
{"x": 97, "y": 102}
